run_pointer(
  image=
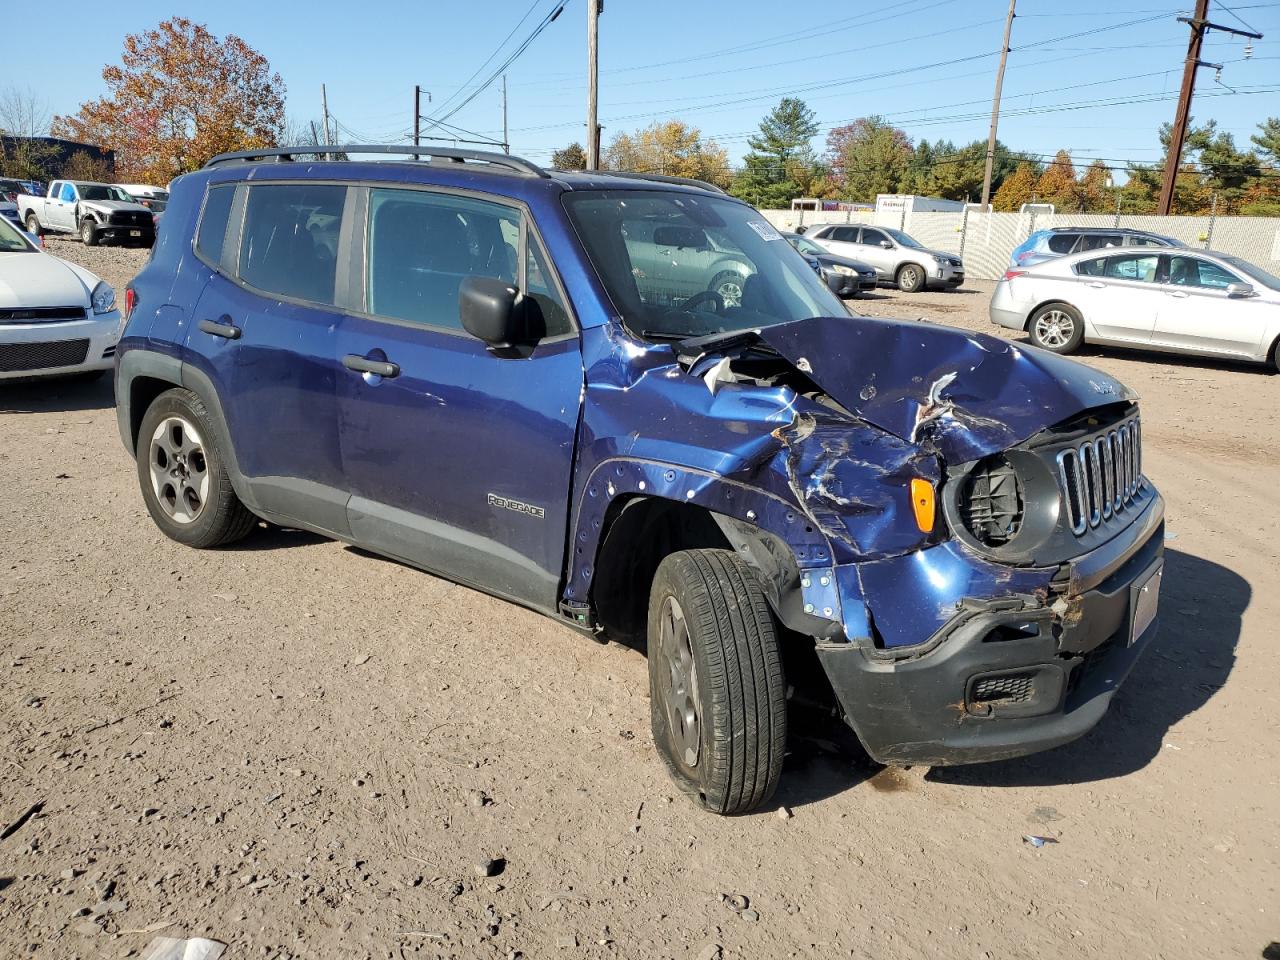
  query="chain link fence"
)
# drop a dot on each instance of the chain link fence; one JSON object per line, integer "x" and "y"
{"x": 986, "y": 240}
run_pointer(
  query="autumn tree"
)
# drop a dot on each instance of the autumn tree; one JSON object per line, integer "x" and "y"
{"x": 669, "y": 148}
{"x": 82, "y": 165}
{"x": 1018, "y": 188}
{"x": 869, "y": 156}
{"x": 572, "y": 157}
{"x": 180, "y": 96}
{"x": 1057, "y": 185}
{"x": 1094, "y": 191}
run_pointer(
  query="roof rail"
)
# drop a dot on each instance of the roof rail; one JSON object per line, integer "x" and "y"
{"x": 657, "y": 178}
{"x": 449, "y": 154}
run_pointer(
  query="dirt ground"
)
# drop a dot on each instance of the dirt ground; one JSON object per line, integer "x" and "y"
{"x": 306, "y": 751}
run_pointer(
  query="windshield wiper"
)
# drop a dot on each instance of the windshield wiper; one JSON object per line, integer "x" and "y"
{"x": 663, "y": 335}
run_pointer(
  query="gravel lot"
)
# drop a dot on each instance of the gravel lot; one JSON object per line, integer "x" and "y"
{"x": 306, "y": 751}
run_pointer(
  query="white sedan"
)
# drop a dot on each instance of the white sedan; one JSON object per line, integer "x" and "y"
{"x": 56, "y": 318}
{"x": 1176, "y": 300}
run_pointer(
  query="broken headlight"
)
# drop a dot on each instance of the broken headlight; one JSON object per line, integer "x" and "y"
{"x": 991, "y": 502}
{"x": 1005, "y": 505}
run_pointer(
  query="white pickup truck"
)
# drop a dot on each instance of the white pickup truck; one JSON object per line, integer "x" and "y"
{"x": 96, "y": 211}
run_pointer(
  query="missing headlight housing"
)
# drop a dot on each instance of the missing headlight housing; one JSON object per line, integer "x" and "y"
{"x": 991, "y": 502}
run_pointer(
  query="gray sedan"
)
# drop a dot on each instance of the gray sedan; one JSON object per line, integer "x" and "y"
{"x": 1179, "y": 301}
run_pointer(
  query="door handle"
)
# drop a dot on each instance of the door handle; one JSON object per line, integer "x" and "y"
{"x": 1181, "y": 295}
{"x": 228, "y": 331}
{"x": 1098, "y": 286}
{"x": 381, "y": 368}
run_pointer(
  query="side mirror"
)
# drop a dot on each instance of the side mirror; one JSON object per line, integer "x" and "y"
{"x": 1239, "y": 290}
{"x": 487, "y": 307}
{"x": 886, "y": 244}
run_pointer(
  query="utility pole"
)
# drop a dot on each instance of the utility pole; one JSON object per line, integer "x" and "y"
{"x": 324, "y": 100}
{"x": 417, "y": 114}
{"x": 315, "y": 137}
{"x": 1199, "y": 25}
{"x": 506, "y": 144}
{"x": 593, "y": 36}
{"x": 995, "y": 109}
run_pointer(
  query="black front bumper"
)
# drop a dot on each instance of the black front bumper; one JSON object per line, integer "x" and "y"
{"x": 126, "y": 234}
{"x": 1005, "y": 677}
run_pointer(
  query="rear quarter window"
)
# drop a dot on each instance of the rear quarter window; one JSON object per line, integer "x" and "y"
{"x": 1062, "y": 242}
{"x": 213, "y": 223}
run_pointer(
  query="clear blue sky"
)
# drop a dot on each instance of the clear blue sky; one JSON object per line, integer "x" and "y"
{"x": 717, "y": 65}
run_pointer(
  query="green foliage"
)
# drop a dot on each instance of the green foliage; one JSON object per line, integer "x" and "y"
{"x": 1267, "y": 139}
{"x": 572, "y": 157}
{"x": 781, "y": 159}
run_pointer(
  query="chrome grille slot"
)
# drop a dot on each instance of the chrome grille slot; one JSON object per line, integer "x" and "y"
{"x": 1100, "y": 475}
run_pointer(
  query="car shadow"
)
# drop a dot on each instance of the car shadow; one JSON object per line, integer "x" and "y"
{"x": 1186, "y": 663}
{"x": 268, "y": 536}
{"x": 1187, "y": 360}
{"x": 57, "y": 394}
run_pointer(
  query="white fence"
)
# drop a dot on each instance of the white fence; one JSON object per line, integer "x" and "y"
{"x": 986, "y": 240}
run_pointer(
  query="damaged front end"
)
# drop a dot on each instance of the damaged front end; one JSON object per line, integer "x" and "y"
{"x": 998, "y": 621}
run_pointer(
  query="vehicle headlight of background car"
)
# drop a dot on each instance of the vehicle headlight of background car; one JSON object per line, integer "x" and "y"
{"x": 103, "y": 298}
{"x": 844, "y": 271}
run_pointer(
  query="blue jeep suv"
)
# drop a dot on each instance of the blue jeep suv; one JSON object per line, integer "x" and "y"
{"x": 529, "y": 382}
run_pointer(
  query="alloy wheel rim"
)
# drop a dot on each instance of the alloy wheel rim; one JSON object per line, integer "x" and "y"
{"x": 1054, "y": 328}
{"x": 179, "y": 470}
{"x": 731, "y": 293}
{"x": 680, "y": 689}
{"x": 912, "y": 276}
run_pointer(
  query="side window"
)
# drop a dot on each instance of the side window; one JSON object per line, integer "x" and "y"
{"x": 539, "y": 288}
{"x": 213, "y": 222}
{"x": 1132, "y": 267}
{"x": 1142, "y": 242}
{"x": 290, "y": 241}
{"x": 1099, "y": 241}
{"x": 843, "y": 234}
{"x": 872, "y": 238}
{"x": 1062, "y": 242}
{"x": 1092, "y": 268}
{"x": 822, "y": 233}
{"x": 423, "y": 245}
{"x": 68, "y": 193}
{"x": 1193, "y": 272}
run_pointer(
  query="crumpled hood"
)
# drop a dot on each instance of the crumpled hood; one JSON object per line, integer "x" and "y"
{"x": 40, "y": 280}
{"x": 965, "y": 394}
{"x": 114, "y": 205}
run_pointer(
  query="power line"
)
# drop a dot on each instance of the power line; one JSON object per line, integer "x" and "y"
{"x": 449, "y": 99}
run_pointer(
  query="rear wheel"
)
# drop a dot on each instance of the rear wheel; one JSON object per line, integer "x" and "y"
{"x": 911, "y": 278}
{"x": 33, "y": 224}
{"x": 183, "y": 475}
{"x": 718, "y": 696}
{"x": 1057, "y": 327}
{"x": 89, "y": 233}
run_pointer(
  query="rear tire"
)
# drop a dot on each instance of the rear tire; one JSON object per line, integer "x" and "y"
{"x": 911, "y": 278}
{"x": 718, "y": 695}
{"x": 1057, "y": 327}
{"x": 33, "y": 224}
{"x": 89, "y": 233}
{"x": 183, "y": 474}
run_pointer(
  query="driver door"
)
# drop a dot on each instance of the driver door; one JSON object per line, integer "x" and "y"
{"x": 62, "y": 211}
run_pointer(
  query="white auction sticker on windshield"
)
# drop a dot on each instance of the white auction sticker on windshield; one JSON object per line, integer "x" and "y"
{"x": 765, "y": 229}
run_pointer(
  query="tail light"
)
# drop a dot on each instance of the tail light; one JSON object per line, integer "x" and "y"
{"x": 1010, "y": 274}
{"x": 130, "y": 301}
{"x": 1025, "y": 255}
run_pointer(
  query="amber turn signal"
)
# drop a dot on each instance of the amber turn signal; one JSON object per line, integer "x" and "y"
{"x": 923, "y": 503}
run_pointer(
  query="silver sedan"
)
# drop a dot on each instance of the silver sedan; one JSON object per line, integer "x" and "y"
{"x": 1178, "y": 301}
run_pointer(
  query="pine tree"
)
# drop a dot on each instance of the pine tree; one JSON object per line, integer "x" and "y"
{"x": 783, "y": 141}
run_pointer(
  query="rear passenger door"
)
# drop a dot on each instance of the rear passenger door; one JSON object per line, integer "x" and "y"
{"x": 1119, "y": 296}
{"x": 459, "y": 460}
{"x": 265, "y": 332}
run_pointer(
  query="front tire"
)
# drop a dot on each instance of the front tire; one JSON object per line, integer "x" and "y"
{"x": 1057, "y": 327}
{"x": 911, "y": 278}
{"x": 728, "y": 283}
{"x": 718, "y": 695}
{"x": 33, "y": 225}
{"x": 183, "y": 475}
{"x": 89, "y": 233}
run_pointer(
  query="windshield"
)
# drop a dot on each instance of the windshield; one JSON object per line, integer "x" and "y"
{"x": 902, "y": 238}
{"x": 98, "y": 191}
{"x": 806, "y": 246}
{"x": 1255, "y": 273}
{"x": 681, "y": 265}
{"x": 11, "y": 241}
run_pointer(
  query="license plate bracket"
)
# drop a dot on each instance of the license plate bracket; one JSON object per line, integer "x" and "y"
{"x": 1144, "y": 600}
{"x": 135, "y": 233}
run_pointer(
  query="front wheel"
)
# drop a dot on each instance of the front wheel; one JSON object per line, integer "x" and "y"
{"x": 718, "y": 695}
{"x": 1057, "y": 327}
{"x": 728, "y": 284}
{"x": 183, "y": 476}
{"x": 89, "y": 233}
{"x": 911, "y": 278}
{"x": 33, "y": 224}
